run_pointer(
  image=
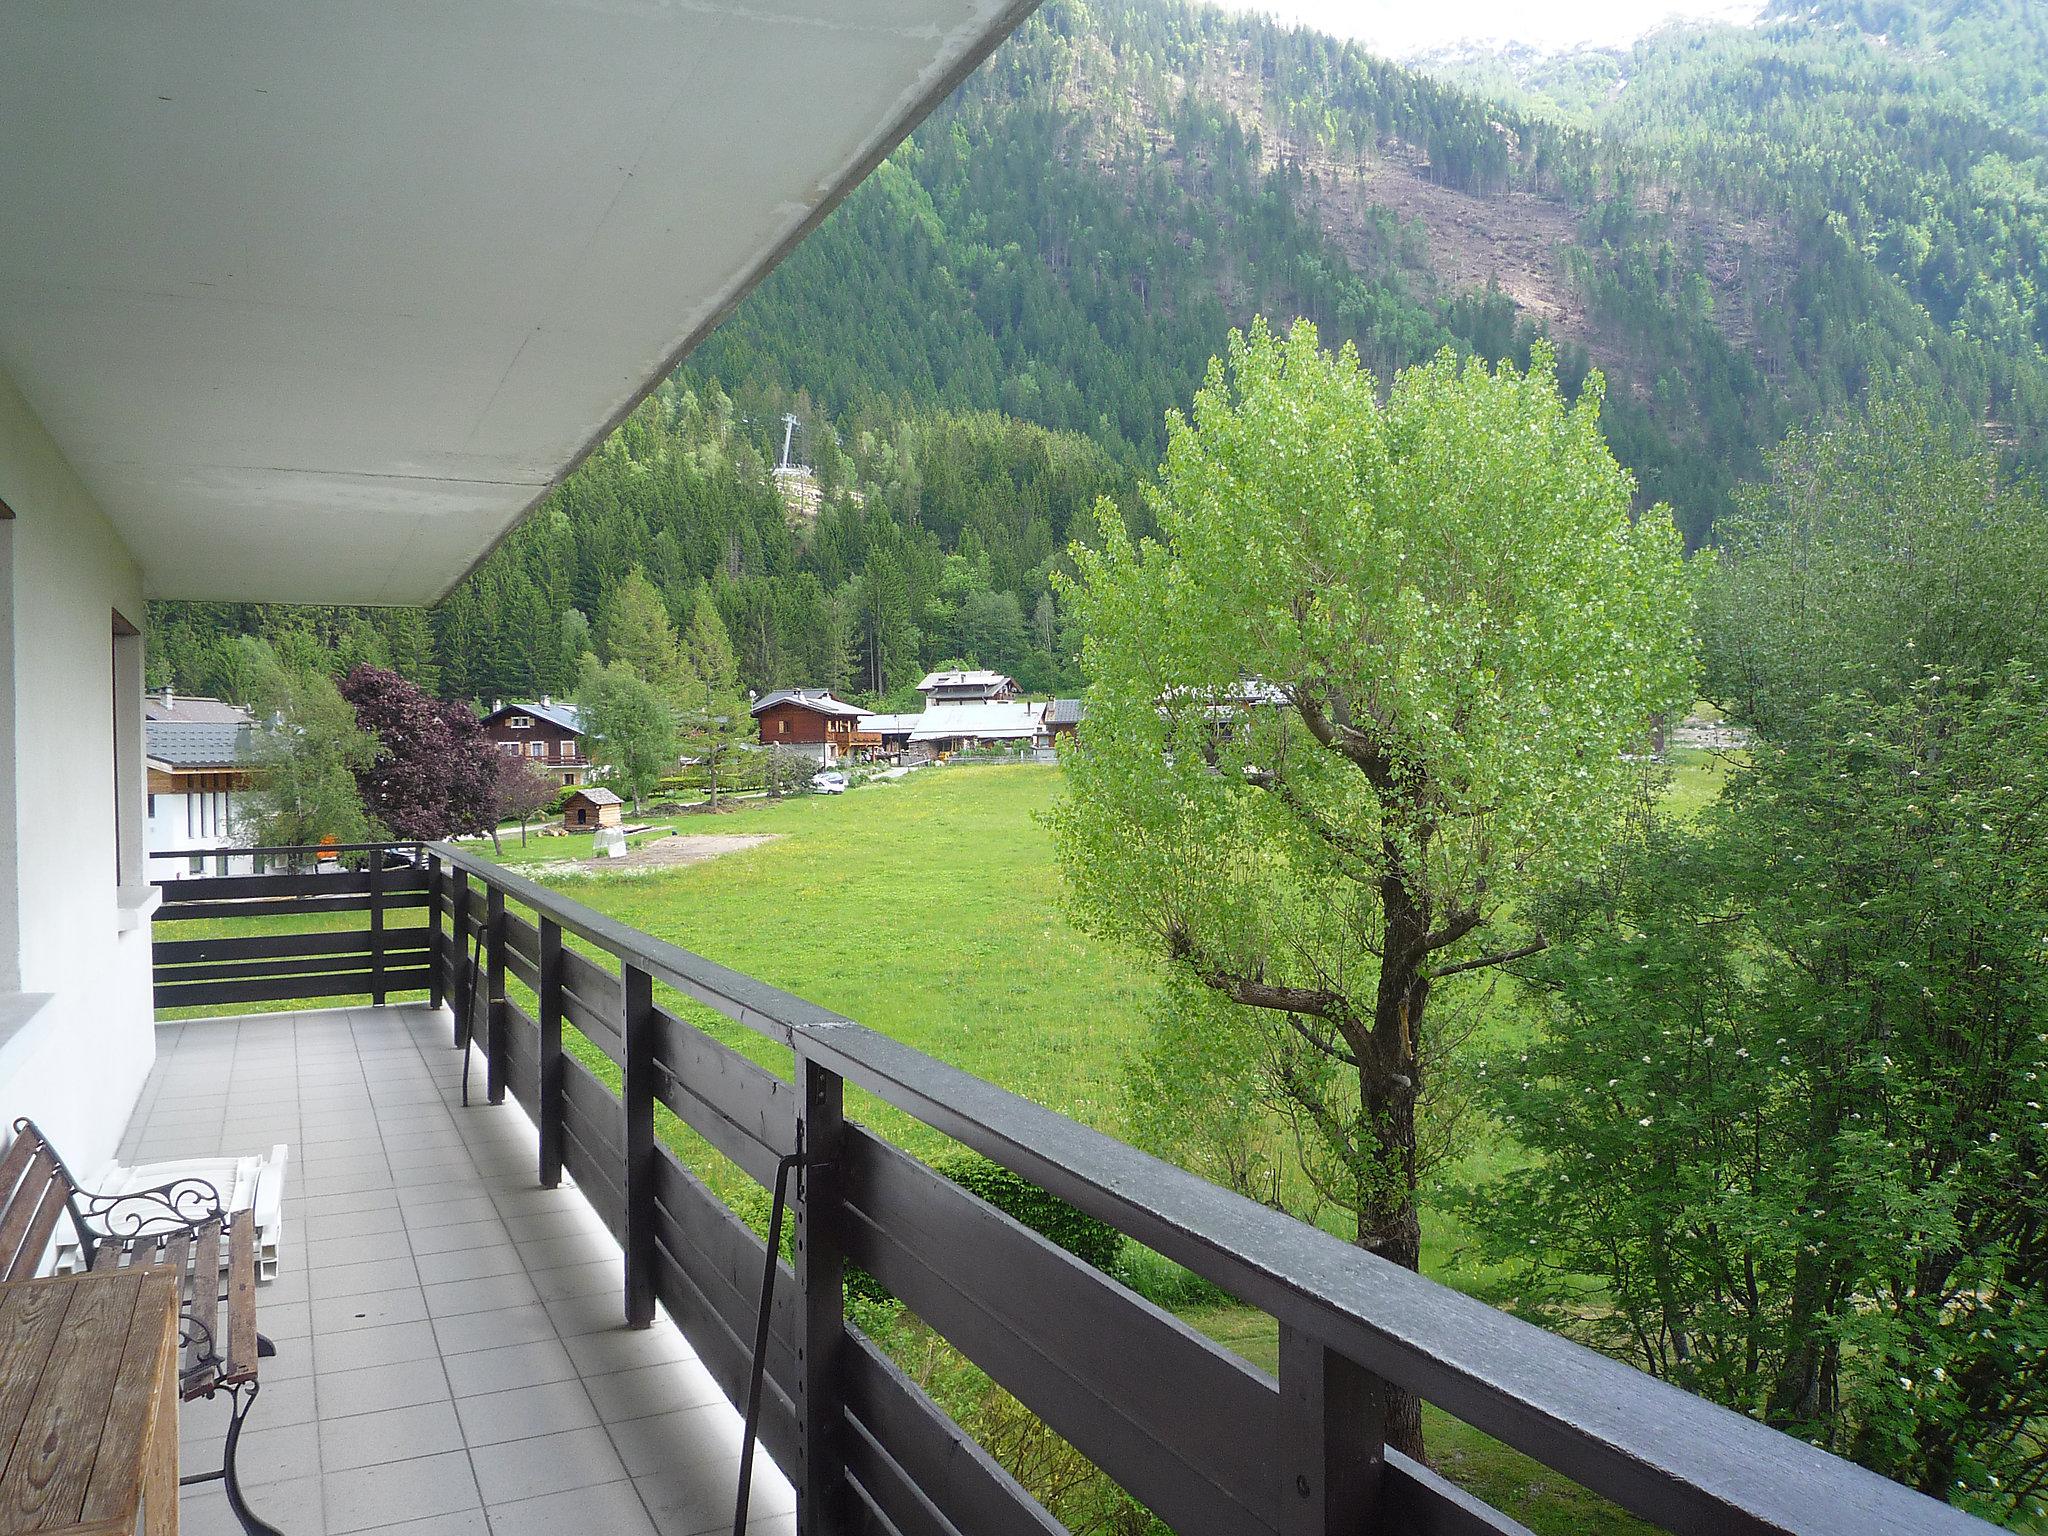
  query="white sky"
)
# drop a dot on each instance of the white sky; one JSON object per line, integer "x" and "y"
{"x": 1401, "y": 27}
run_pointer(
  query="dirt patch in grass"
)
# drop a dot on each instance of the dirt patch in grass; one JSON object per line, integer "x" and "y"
{"x": 684, "y": 848}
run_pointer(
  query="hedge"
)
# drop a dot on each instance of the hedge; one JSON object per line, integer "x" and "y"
{"x": 1092, "y": 1242}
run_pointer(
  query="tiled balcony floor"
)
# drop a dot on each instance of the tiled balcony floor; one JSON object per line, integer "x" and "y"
{"x": 452, "y": 1355}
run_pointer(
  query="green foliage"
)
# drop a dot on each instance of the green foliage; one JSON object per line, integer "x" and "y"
{"x": 1091, "y": 1241}
{"x": 307, "y": 760}
{"x": 1879, "y": 546}
{"x": 1789, "y": 1119}
{"x": 630, "y": 727}
{"x": 717, "y": 729}
{"x": 1375, "y": 682}
{"x": 635, "y": 633}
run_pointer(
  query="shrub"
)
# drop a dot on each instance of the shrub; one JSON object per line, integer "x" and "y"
{"x": 1092, "y": 1242}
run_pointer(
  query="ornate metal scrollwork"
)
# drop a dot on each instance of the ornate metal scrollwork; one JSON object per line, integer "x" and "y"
{"x": 183, "y": 1204}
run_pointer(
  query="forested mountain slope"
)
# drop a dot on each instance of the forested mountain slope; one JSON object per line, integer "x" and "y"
{"x": 1742, "y": 228}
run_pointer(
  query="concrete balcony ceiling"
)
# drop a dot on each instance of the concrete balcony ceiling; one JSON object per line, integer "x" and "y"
{"x": 318, "y": 301}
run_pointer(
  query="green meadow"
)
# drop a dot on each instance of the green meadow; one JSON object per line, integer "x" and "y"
{"x": 929, "y": 909}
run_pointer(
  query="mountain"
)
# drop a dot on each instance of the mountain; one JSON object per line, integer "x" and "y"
{"x": 1742, "y": 227}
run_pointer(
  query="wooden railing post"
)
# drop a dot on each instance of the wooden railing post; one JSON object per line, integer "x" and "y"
{"x": 638, "y": 1093}
{"x": 820, "y": 1475}
{"x": 1332, "y": 1421}
{"x": 377, "y": 927}
{"x": 550, "y": 1052}
{"x": 494, "y": 998}
{"x": 458, "y": 956}
{"x": 437, "y": 943}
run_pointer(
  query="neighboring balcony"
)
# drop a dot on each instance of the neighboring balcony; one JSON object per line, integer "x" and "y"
{"x": 545, "y": 1248}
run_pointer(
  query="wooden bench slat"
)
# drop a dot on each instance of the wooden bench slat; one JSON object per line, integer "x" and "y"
{"x": 204, "y": 1345}
{"x": 241, "y": 1289}
{"x": 173, "y": 1254}
{"x": 15, "y": 1163}
{"x": 29, "y": 1259}
{"x": 24, "y": 1203}
{"x": 62, "y": 1430}
{"x": 31, "y": 1322}
{"x": 114, "y": 1490}
{"x": 107, "y": 1256}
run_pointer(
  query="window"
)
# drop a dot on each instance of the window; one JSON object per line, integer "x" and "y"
{"x": 537, "y": 749}
{"x": 519, "y": 723}
{"x": 509, "y": 748}
{"x": 782, "y": 726}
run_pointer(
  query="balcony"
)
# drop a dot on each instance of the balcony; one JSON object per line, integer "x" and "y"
{"x": 451, "y": 1350}
{"x": 541, "y": 1271}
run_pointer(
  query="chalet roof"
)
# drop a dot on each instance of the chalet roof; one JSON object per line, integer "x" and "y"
{"x": 818, "y": 700}
{"x": 596, "y": 795}
{"x": 1064, "y": 712}
{"x": 890, "y": 725}
{"x": 962, "y": 678}
{"x": 567, "y": 716}
{"x": 169, "y": 707}
{"x": 198, "y": 743}
{"x": 986, "y": 721}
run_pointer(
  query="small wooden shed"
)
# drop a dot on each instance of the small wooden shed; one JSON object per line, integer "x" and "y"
{"x": 590, "y": 808}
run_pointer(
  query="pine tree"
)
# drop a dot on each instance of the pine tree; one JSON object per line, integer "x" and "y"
{"x": 634, "y": 632}
{"x": 717, "y": 726}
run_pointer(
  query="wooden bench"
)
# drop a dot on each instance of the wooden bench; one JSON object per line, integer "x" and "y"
{"x": 183, "y": 1226}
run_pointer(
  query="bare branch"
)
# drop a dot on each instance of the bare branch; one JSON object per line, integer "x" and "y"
{"x": 1504, "y": 957}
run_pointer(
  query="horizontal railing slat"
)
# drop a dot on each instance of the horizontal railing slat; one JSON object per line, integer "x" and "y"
{"x": 1178, "y": 1421}
{"x": 937, "y": 1457}
{"x": 347, "y": 882}
{"x": 288, "y": 906}
{"x": 409, "y": 959}
{"x": 746, "y": 1113}
{"x": 290, "y": 946}
{"x": 201, "y": 994}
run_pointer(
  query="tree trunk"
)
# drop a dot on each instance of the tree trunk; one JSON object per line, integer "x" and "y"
{"x": 1389, "y": 1086}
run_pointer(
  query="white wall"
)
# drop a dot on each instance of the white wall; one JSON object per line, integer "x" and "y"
{"x": 76, "y": 1031}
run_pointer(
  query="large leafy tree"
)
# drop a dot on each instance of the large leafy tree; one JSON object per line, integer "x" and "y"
{"x": 434, "y": 768}
{"x": 1789, "y": 1124}
{"x": 1380, "y": 672}
{"x": 307, "y": 756}
{"x": 629, "y": 725}
{"x": 1789, "y": 1127}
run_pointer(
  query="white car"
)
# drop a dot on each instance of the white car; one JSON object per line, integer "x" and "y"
{"x": 829, "y": 783}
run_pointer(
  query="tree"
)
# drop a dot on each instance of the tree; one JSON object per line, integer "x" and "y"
{"x": 630, "y": 728}
{"x": 433, "y": 770}
{"x": 1875, "y": 547}
{"x": 1789, "y": 1117}
{"x": 716, "y": 723}
{"x": 1377, "y": 680}
{"x": 637, "y": 635}
{"x": 306, "y": 764}
{"x": 519, "y": 791}
{"x": 1800, "y": 1041}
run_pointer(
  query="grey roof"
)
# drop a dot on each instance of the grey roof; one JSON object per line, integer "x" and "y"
{"x": 567, "y": 716}
{"x": 890, "y": 725}
{"x": 961, "y": 678}
{"x": 1064, "y": 712}
{"x": 818, "y": 699}
{"x": 188, "y": 711}
{"x": 191, "y": 744}
{"x": 597, "y": 795}
{"x": 984, "y": 722}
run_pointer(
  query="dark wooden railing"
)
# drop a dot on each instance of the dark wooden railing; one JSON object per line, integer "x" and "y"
{"x": 1208, "y": 1442}
{"x": 366, "y": 956}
